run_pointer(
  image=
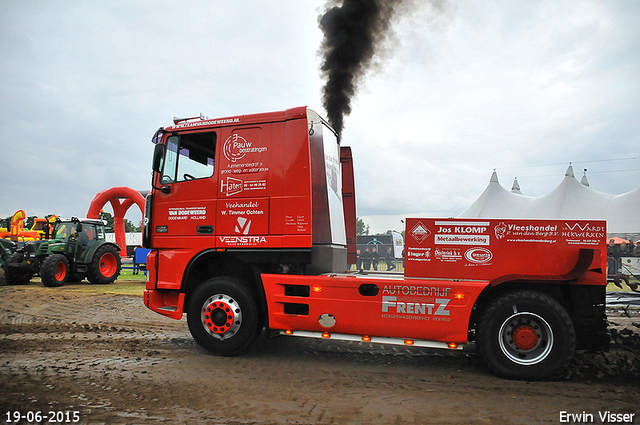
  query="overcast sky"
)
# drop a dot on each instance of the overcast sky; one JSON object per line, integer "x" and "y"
{"x": 524, "y": 87}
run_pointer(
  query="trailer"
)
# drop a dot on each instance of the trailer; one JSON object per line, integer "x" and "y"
{"x": 251, "y": 227}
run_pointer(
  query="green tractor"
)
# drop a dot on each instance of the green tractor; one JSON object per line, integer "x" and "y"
{"x": 77, "y": 249}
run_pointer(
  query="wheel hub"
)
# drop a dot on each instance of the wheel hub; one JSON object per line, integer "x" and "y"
{"x": 61, "y": 271}
{"x": 525, "y": 337}
{"x": 108, "y": 265}
{"x": 221, "y": 316}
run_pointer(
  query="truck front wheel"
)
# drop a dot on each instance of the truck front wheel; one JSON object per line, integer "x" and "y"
{"x": 222, "y": 316}
{"x": 54, "y": 270}
{"x": 526, "y": 335}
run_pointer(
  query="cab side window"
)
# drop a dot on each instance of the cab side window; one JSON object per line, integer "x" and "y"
{"x": 87, "y": 235}
{"x": 189, "y": 157}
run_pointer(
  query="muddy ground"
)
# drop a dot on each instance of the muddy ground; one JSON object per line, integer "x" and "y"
{"x": 111, "y": 360}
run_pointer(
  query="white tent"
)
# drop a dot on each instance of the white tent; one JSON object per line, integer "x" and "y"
{"x": 571, "y": 199}
{"x": 497, "y": 202}
{"x": 623, "y": 215}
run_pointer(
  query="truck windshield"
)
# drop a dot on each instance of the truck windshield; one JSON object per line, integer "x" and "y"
{"x": 189, "y": 157}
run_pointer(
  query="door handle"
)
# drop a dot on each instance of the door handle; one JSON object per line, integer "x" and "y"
{"x": 204, "y": 230}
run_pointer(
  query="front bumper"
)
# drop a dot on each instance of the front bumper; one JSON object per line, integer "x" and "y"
{"x": 165, "y": 302}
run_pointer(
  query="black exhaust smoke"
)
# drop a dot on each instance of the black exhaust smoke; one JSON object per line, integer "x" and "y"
{"x": 353, "y": 31}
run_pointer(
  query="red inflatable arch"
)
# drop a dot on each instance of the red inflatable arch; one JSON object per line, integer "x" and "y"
{"x": 121, "y": 199}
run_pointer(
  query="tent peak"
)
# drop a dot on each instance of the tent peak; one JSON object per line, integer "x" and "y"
{"x": 569, "y": 172}
{"x": 584, "y": 180}
{"x": 516, "y": 187}
{"x": 494, "y": 177}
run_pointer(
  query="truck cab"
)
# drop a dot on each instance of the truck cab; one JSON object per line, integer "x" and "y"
{"x": 257, "y": 193}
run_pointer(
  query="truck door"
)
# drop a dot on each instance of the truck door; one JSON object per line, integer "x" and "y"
{"x": 244, "y": 189}
{"x": 184, "y": 209}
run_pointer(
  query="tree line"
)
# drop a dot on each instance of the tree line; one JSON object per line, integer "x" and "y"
{"x": 363, "y": 229}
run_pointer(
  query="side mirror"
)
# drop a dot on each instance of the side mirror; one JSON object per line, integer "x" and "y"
{"x": 158, "y": 157}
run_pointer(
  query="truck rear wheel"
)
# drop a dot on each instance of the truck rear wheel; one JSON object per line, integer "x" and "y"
{"x": 526, "y": 335}
{"x": 15, "y": 272}
{"x": 223, "y": 317}
{"x": 54, "y": 270}
{"x": 105, "y": 265}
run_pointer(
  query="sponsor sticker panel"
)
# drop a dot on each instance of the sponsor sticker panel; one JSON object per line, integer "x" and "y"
{"x": 500, "y": 247}
{"x": 230, "y": 186}
{"x": 411, "y": 302}
{"x": 187, "y": 213}
{"x": 243, "y": 153}
{"x": 243, "y": 218}
{"x": 296, "y": 223}
{"x": 431, "y": 308}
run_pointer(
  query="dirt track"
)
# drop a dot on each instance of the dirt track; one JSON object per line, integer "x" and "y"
{"x": 113, "y": 361}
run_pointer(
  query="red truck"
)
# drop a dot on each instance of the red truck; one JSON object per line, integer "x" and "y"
{"x": 251, "y": 226}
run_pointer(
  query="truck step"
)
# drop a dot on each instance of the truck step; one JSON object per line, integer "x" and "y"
{"x": 375, "y": 339}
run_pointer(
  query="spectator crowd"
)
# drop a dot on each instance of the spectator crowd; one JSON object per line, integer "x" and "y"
{"x": 623, "y": 249}
{"x": 371, "y": 258}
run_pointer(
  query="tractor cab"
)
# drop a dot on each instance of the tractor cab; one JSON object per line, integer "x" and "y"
{"x": 74, "y": 236}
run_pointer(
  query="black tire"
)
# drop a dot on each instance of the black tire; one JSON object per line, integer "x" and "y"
{"x": 54, "y": 271}
{"x": 15, "y": 272}
{"x": 526, "y": 335}
{"x": 105, "y": 265}
{"x": 223, "y": 316}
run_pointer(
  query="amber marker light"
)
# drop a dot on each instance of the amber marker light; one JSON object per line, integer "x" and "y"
{"x": 366, "y": 338}
{"x": 453, "y": 345}
{"x": 316, "y": 289}
{"x": 326, "y": 335}
{"x": 408, "y": 342}
{"x": 288, "y": 332}
{"x": 459, "y": 296}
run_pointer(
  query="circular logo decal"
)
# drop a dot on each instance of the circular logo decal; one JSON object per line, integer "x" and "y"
{"x": 478, "y": 255}
{"x": 235, "y": 147}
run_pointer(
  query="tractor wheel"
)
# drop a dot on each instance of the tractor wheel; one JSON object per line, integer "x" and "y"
{"x": 15, "y": 271}
{"x": 105, "y": 265}
{"x": 223, "y": 317}
{"x": 54, "y": 270}
{"x": 526, "y": 335}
